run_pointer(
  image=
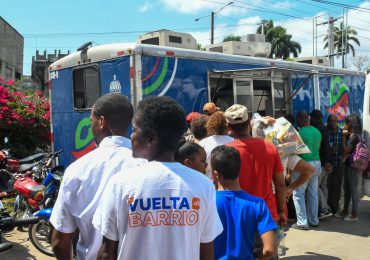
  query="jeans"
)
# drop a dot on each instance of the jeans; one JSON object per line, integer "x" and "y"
{"x": 350, "y": 185}
{"x": 335, "y": 180}
{"x": 307, "y": 212}
{"x": 323, "y": 191}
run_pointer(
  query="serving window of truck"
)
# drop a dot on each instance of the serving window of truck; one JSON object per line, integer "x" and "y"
{"x": 86, "y": 87}
{"x": 261, "y": 90}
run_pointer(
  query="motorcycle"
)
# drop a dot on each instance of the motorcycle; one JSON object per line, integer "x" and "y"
{"x": 40, "y": 233}
{"x": 8, "y": 223}
{"x": 33, "y": 196}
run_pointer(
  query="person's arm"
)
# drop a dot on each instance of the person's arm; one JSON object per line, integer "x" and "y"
{"x": 206, "y": 251}
{"x": 280, "y": 190}
{"x": 62, "y": 245}
{"x": 108, "y": 250}
{"x": 305, "y": 170}
{"x": 269, "y": 245}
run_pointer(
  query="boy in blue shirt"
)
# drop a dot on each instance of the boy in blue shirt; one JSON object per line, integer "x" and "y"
{"x": 241, "y": 214}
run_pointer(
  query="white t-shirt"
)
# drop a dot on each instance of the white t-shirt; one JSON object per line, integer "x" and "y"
{"x": 82, "y": 187}
{"x": 211, "y": 142}
{"x": 159, "y": 211}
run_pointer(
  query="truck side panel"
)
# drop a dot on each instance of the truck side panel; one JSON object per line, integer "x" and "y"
{"x": 72, "y": 131}
{"x": 184, "y": 80}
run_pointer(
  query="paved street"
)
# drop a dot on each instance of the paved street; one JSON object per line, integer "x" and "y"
{"x": 335, "y": 239}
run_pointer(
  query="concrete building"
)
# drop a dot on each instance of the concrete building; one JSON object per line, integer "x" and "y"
{"x": 11, "y": 51}
{"x": 40, "y": 65}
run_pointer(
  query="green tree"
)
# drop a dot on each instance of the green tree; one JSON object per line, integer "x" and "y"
{"x": 232, "y": 38}
{"x": 339, "y": 33}
{"x": 281, "y": 42}
{"x": 200, "y": 47}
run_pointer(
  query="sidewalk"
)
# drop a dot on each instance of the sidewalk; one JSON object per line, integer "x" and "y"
{"x": 334, "y": 239}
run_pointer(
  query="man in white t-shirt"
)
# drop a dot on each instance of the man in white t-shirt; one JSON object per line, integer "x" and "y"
{"x": 85, "y": 180}
{"x": 161, "y": 209}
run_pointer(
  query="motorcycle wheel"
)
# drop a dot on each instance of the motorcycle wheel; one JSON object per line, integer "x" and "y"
{"x": 40, "y": 236}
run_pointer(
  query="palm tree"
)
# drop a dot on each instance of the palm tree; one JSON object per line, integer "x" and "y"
{"x": 232, "y": 38}
{"x": 339, "y": 33}
{"x": 281, "y": 42}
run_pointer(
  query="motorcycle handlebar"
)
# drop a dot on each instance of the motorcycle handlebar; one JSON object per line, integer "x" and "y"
{"x": 25, "y": 221}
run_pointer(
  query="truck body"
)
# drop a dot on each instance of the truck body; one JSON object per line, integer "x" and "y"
{"x": 192, "y": 78}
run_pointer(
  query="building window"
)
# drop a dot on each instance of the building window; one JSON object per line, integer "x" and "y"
{"x": 175, "y": 39}
{"x": 86, "y": 87}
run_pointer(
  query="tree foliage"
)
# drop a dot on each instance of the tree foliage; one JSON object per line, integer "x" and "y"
{"x": 24, "y": 119}
{"x": 282, "y": 45}
{"x": 232, "y": 38}
{"x": 340, "y": 35}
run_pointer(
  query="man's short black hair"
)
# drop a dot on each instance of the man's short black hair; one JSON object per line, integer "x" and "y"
{"x": 186, "y": 150}
{"x": 226, "y": 161}
{"x": 116, "y": 110}
{"x": 316, "y": 114}
{"x": 164, "y": 117}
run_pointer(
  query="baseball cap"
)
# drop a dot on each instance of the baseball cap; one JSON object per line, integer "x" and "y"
{"x": 236, "y": 114}
{"x": 191, "y": 116}
{"x": 210, "y": 108}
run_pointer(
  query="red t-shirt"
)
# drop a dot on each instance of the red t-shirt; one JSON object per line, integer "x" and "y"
{"x": 259, "y": 161}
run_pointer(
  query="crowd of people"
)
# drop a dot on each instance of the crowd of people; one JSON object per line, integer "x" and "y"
{"x": 199, "y": 186}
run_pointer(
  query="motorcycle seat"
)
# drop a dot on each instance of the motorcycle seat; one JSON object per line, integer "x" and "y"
{"x": 32, "y": 158}
{"x": 26, "y": 167}
{"x": 37, "y": 192}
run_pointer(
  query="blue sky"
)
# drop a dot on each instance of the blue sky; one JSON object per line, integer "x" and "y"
{"x": 65, "y": 25}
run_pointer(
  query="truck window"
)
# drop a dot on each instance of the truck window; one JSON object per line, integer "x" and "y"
{"x": 86, "y": 87}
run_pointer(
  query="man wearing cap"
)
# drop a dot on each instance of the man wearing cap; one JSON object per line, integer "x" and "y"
{"x": 210, "y": 108}
{"x": 325, "y": 158}
{"x": 260, "y": 163}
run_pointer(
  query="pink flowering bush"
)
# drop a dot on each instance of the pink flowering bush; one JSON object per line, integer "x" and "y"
{"x": 24, "y": 119}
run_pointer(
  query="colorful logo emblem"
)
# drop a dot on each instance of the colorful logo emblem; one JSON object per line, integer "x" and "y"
{"x": 83, "y": 144}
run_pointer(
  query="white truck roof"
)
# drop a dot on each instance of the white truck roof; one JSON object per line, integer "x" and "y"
{"x": 112, "y": 51}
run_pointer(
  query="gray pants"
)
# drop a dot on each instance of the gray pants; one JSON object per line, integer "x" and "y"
{"x": 323, "y": 192}
{"x": 351, "y": 181}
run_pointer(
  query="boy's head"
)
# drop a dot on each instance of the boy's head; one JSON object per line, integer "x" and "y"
{"x": 158, "y": 126}
{"x": 225, "y": 163}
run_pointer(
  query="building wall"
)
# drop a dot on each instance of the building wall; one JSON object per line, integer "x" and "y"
{"x": 11, "y": 51}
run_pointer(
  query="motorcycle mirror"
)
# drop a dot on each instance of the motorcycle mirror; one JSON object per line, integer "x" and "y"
{"x": 6, "y": 140}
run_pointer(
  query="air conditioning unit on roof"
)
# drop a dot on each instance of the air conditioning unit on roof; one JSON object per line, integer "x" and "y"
{"x": 169, "y": 38}
{"x": 251, "y": 45}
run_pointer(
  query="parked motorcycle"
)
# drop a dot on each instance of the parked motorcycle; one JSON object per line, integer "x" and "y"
{"x": 40, "y": 233}
{"x": 33, "y": 196}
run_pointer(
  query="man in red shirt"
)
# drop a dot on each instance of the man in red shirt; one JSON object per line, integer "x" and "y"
{"x": 260, "y": 163}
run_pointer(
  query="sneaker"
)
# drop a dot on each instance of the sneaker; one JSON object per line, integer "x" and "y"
{"x": 295, "y": 226}
{"x": 350, "y": 218}
{"x": 325, "y": 214}
{"x": 315, "y": 226}
{"x": 339, "y": 215}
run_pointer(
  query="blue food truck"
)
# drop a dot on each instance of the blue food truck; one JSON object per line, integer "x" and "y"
{"x": 192, "y": 78}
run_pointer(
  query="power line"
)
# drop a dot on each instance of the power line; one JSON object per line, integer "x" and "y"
{"x": 361, "y": 9}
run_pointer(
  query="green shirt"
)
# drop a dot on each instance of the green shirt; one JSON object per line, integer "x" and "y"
{"x": 312, "y": 138}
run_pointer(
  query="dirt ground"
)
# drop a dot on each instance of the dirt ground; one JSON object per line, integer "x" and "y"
{"x": 334, "y": 239}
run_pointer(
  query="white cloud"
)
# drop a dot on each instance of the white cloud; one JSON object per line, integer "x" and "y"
{"x": 195, "y": 6}
{"x": 145, "y": 7}
{"x": 282, "y": 5}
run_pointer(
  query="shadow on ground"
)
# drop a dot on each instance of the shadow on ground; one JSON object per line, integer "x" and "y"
{"x": 356, "y": 228}
{"x": 311, "y": 255}
{"x": 19, "y": 250}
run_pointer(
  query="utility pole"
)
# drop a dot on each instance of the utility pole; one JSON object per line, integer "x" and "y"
{"x": 212, "y": 26}
{"x": 342, "y": 48}
{"x": 331, "y": 41}
{"x": 345, "y": 62}
{"x": 313, "y": 36}
{"x": 331, "y": 54}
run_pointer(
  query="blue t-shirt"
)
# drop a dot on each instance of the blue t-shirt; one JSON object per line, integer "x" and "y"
{"x": 241, "y": 215}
